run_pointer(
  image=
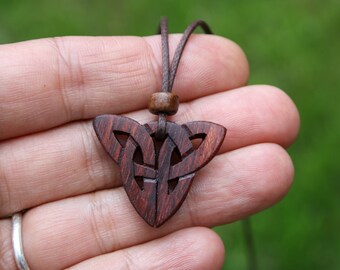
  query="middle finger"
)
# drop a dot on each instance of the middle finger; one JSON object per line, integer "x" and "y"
{"x": 69, "y": 161}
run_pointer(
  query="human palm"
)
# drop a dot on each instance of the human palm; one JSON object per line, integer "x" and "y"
{"x": 52, "y": 164}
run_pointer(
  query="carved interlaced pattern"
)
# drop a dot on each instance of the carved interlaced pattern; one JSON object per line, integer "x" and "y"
{"x": 157, "y": 175}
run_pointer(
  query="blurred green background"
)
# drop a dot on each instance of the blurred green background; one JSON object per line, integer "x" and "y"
{"x": 293, "y": 44}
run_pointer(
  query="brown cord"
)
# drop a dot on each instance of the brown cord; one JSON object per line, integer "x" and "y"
{"x": 169, "y": 72}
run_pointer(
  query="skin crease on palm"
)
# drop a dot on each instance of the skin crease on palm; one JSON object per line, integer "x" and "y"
{"x": 52, "y": 164}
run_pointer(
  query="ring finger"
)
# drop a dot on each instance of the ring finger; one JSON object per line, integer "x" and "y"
{"x": 236, "y": 184}
{"x": 70, "y": 161}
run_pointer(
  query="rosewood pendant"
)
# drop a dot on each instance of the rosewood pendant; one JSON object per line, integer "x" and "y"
{"x": 158, "y": 160}
{"x": 157, "y": 175}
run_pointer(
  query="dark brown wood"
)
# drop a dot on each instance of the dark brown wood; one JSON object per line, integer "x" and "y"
{"x": 157, "y": 175}
{"x": 163, "y": 102}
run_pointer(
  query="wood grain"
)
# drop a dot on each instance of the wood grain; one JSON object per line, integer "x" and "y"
{"x": 165, "y": 168}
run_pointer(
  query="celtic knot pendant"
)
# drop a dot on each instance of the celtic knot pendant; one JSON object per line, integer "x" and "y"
{"x": 157, "y": 175}
{"x": 158, "y": 160}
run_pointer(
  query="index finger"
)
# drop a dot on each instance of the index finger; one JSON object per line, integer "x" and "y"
{"x": 45, "y": 83}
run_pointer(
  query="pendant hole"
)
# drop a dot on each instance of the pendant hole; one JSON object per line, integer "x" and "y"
{"x": 121, "y": 137}
{"x": 172, "y": 184}
{"x": 175, "y": 157}
{"x": 138, "y": 156}
{"x": 140, "y": 182}
{"x": 197, "y": 140}
{"x": 158, "y": 145}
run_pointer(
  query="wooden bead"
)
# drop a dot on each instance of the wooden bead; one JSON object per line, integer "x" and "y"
{"x": 163, "y": 102}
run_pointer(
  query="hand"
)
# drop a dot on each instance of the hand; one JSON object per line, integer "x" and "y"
{"x": 52, "y": 163}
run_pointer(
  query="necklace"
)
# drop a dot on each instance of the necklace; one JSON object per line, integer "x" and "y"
{"x": 158, "y": 160}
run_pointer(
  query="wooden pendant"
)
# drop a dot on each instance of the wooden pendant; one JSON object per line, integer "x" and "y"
{"x": 157, "y": 175}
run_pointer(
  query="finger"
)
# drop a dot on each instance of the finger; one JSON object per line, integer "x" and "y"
{"x": 6, "y": 250}
{"x": 234, "y": 185}
{"x": 48, "y": 82}
{"x": 70, "y": 160}
{"x": 194, "y": 248}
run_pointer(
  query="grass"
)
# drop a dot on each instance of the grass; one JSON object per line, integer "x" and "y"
{"x": 293, "y": 44}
